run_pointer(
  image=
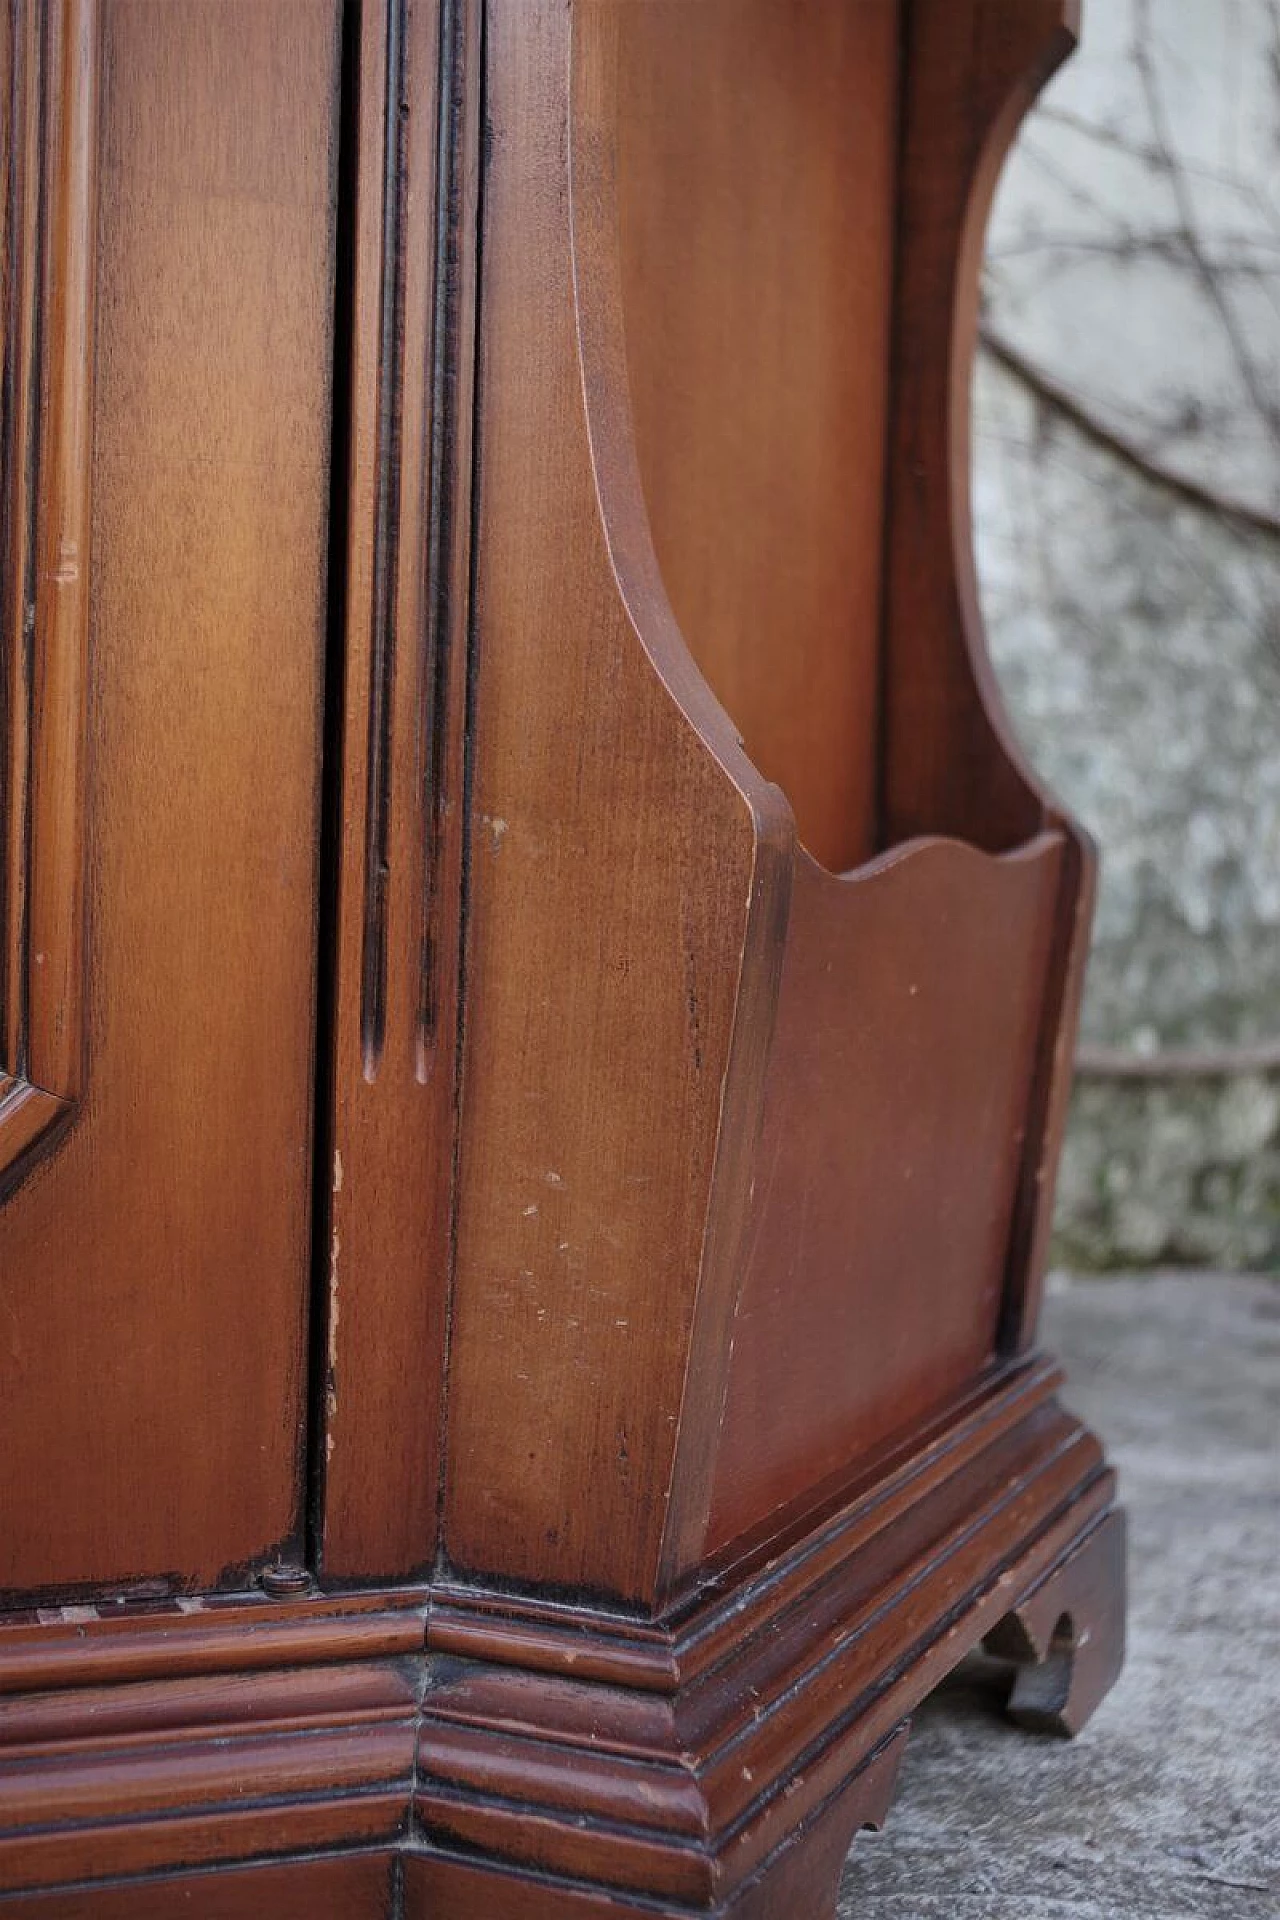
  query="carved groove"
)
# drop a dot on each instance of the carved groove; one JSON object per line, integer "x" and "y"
{"x": 384, "y": 1173}
{"x": 445, "y": 454}
{"x": 386, "y": 555}
{"x": 21, "y": 317}
{"x": 49, "y": 191}
{"x": 449, "y": 455}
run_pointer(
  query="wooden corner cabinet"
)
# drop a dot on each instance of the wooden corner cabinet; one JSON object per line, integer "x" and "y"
{"x": 536, "y": 988}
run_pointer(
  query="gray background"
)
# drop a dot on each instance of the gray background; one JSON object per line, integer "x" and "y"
{"x": 1127, "y": 508}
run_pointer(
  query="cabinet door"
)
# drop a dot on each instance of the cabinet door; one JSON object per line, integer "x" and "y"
{"x": 170, "y": 194}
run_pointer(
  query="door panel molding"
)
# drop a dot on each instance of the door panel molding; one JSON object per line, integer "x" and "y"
{"x": 50, "y": 70}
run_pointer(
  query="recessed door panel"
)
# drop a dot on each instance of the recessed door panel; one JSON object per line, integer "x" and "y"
{"x": 154, "y": 1261}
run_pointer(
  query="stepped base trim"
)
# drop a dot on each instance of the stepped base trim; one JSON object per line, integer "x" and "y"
{"x": 678, "y": 1762}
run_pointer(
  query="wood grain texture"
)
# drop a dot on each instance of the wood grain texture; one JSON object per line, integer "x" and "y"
{"x": 951, "y": 761}
{"x": 53, "y": 1649}
{"x": 154, "y": 1273}
{"x": 405, "y": 491}
{"x": 680, "y": 1786}
{"x": 756, "y": 238}
{"x": 799, "y": 1878}
{"x": 171, "y": 1772}
{"x": 908, "y": 1021}
{"x": 833, "y": 1260}
{"x": 667, "y": 1655}
{"x": 50, "y": 77}
{"x": 59, "y": 679}
{"x": 685, "y": 1778}
{"x": 605, "y": 783}
{"x": 353, "y": 1887}
{"x": 584, "y": 1238}
{"x": 29, "y": 1118}
{"x": 1066, "y": 1638}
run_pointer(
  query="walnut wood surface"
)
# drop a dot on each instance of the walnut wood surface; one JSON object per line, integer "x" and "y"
{"x": 387, "y": 1143}
{"x": 951, "y": 762}
{"x": 784, "y": 1091}
{"x": 625, "y": 1762}
{"x": 1066, "y": 1638}
{"x": 154, "y": 1269}
{"x": 523, "y": 1210}
{"x": 937, "y": 954}
{"x": 951, "y": 765}
{"x": 756, "y": 236}
{"x": 799, "y": 1879}
{"x": 49, "y": 64}
{"x": 605, "y": 784}
{"x": 358, "y": 1886}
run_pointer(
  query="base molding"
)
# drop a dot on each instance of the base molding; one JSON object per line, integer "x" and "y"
{"x": 696, "y": 1765}
{"x": 681, "y": 1785}
{"x": 798, "y": 1881}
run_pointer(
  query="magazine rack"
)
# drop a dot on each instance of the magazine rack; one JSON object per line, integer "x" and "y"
{"x": 550, "y": 1497}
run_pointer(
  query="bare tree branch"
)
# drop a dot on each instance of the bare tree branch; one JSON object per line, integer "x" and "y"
{"x": 1177, "y": 1063}
{"x": 1141, "y": 150}
{"x": 1157, "y": 243}
{"x": 1210, "y": 283}
{"x": 1069, "y": 406}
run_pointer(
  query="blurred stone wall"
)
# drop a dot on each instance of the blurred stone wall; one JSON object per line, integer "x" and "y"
{"x": 1127, "y": 505}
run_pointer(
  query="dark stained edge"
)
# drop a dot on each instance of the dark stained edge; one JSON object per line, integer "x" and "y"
{"x": 331, "y": 780}
{"x": 468, "y": 93}
{"x": 386, "y": 553}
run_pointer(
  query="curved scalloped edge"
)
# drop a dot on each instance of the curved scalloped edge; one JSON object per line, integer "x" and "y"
{"x": 1020, "y": 63}
{"x": 953, "y": 761}
{"x": 1060, "y": 43}
{"x": 1066, "y": 1639}
{"x": 927, "y": 848}
{"x": 1003, "y": 812}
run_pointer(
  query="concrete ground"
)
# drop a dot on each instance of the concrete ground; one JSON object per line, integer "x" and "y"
{"x": 1169, "y": 1803}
